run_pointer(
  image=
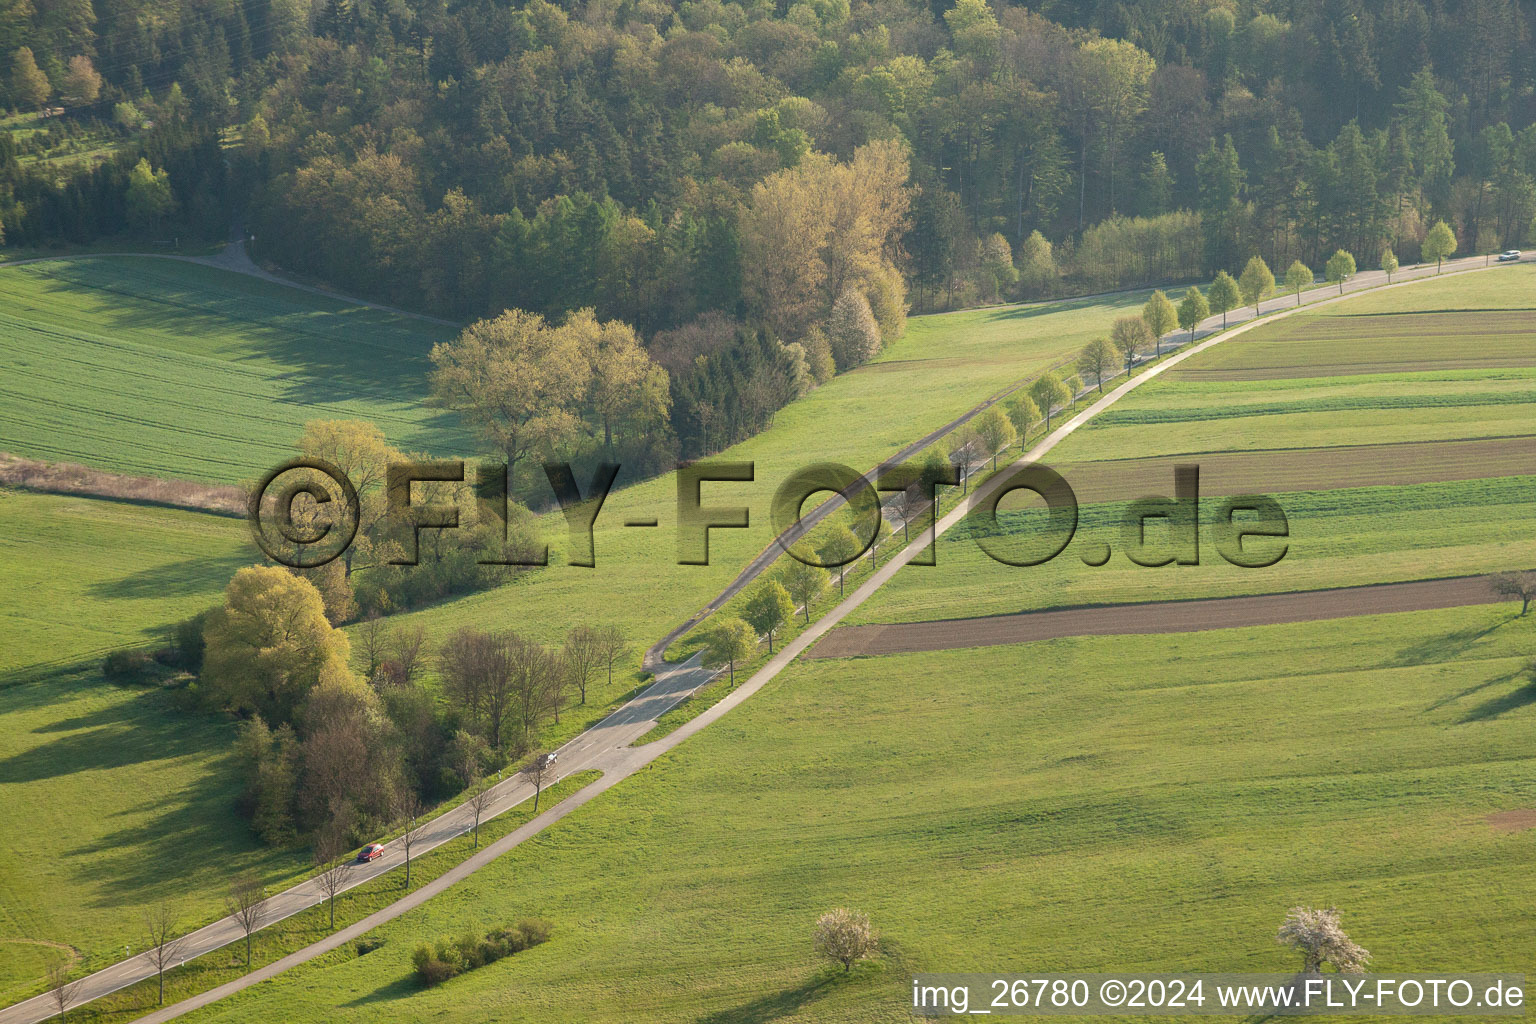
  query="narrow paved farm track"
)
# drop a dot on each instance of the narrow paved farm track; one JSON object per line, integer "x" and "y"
{"x": 606, "y": 747}
{"x": 1156, "y": 617}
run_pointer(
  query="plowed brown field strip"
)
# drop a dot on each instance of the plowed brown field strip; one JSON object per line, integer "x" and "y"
{"x": 1307, "y": 469}
{"x": 1154, "y": 617}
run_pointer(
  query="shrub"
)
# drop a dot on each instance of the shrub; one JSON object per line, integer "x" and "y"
{"x": 452, "y": 957}
{"x": 126, "y": 666}
{"x": 187, "y": 644}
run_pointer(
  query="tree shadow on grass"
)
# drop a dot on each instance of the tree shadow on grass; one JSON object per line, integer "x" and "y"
{"x": 1513, "y": 701}
{"x": 400, "y": 988}
{"x": 152, "y": 858}
{"x": 119, "y": 736}
{"x": 174, "y": 579}
{"x": 1442, "y": 647}
{"x": 775, "y": 1005}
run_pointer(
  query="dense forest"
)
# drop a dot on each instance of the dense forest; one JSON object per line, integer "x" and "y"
{"x": 748, "y": 185}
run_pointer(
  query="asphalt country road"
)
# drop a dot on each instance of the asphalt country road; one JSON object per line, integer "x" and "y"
{"x": 605, "y": 747}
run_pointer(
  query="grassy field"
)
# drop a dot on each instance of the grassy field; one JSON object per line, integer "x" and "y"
{"x": 114, "y": 798}
{"x": 165, "y": 368}
{"x": 1111, "y": 803}
{"x": 86, "y": 576}
{"x": 1337, "y": 538}
{"x": 130, "y": 570}
{"x": 312, "y": 925}
{"x": 942, "y": 367}
{"x": 1341, "y": 533}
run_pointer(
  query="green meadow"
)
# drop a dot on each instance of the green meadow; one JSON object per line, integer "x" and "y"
{"x": 1107, "y": 803}
{"x": 166, "y": 368}
{"x": 115, "y": 798}
{"x": 97, "y": 575}
{"x": 85, "y": 576}
{"x": 1338, "y": 537}
{"x": 942, "y": 367}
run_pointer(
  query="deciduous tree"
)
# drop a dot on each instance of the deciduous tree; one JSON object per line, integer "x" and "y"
{"x": 1256, "y": 283}
{"x": 1193, "y": 309}
{"x": 165, "y": 945}
{"x": 1389, "y": 263}
{"x": 517, "y": 380}
{"x": 612, "y": 645}
{"x": 62, "y": 992}
{"x": 769, "y": 607}
{"x": 29, "y": 86}
{"x": 82, "y": 83}
{"x": 1022, "y": 412}
{"x": 269, "y": 643}
{"x": 1225, "y": 296}
{"x": 1097, "y": 361}
{"x": 1439, "y": 244}
{"x": 803, "y": 582}
{"x": 581, "y": 656}
{"x": 330, "y": 867}
{"x": 1047, "y": 393}
{"x": 845, "y": 936}
{"x": 1319, "y": 938}
{"x": 1519, "y": 586}
{"x": 1160, "y": 317}
{"x": 1297, "y": 277}
{"x": 540, "y": 772}
{"x": 838, "y": 546}
{"x": 994, "y": 431}
{"x": 852, "y": 331}
{"x": 409, "y": 810}
{"x": 1340, "y": 268}
{"x": 1131, "y": 337}
{"x": 149, "y": 198}
{"x": 247, "y": 904}
{"x": 730, "y": 640}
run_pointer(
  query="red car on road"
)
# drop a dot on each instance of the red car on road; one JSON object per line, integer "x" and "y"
{"x": 373, "y": 851}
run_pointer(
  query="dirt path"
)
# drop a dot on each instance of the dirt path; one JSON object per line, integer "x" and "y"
{"x": 1156, "y": 617}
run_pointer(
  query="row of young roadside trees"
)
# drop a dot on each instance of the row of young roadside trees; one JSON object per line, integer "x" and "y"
{"x": 1130, "y": 337}
{"x": 774, "y": 602}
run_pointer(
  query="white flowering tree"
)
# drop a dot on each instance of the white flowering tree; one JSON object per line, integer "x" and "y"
{"x": 845, "y": 936}
{"x": 1320, "y": 939}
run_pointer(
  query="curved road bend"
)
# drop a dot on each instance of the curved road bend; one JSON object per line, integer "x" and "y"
{"x": 605, "y": 747}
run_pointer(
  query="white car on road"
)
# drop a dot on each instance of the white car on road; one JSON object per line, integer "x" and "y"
{"x": 1512, "y": 256}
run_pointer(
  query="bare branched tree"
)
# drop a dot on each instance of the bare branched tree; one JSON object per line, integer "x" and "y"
{"x": 408, "y": 807}
{"x": 247, "y": 904}
{"x": 539, "y": 770}
{"x": 331, "y": 866}
{"x": 1517, "y": 586}
{"x": 480, "y": 802}
{"x": 612, "y": 646}
{"x": 165, "y": 946}
{"x": 370, "y": 637}
{"x": 408, "y": 645}
{"x": 845, "y": 936}
{"x": 61, "y": 990}
{"x": 582, "y": 655}
{"x": 1317, "y": 935}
